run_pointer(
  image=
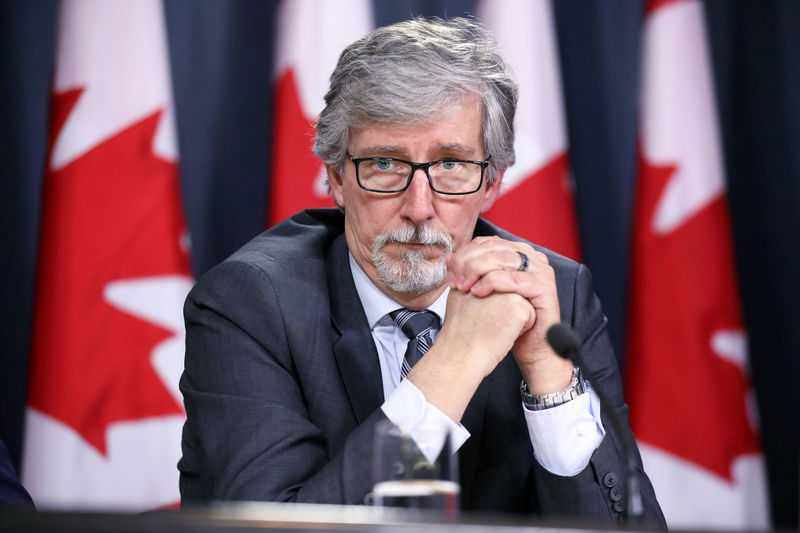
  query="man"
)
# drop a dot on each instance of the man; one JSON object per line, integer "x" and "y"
{"x": 296, "y": 345}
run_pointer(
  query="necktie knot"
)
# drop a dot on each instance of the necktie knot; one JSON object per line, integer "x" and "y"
{"x": 414, "y": 323}
{"x": 417, "y": 327}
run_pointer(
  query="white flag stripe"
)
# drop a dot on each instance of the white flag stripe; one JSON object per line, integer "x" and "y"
{"x": 117, "y": 51}
{"x": 62, "y": 472}
{"x": 692, "y": 497}
{"x": 681, "y": 124}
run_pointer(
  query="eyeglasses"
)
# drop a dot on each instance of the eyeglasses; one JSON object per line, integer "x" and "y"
{"x": 448, "y": 176}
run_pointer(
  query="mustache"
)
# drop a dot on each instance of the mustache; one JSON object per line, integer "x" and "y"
{"x": 416, "y": 234}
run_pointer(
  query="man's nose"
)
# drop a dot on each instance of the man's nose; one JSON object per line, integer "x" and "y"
{"x": 418, "y": 198}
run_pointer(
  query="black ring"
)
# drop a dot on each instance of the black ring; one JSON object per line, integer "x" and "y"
{"x": 523, "y": 266}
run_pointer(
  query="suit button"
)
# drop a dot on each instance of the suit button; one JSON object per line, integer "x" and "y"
{"x": 610, "y": 480}
{"x": 615, "y": 493}
{"x": 618, "y": 506}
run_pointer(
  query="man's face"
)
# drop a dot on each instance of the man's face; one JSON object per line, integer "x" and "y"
{"x": 401, "y": 239}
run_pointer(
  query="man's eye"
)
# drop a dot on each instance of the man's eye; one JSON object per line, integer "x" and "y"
{"x": 384, "y": 165}
{"x": 449, "y": 165}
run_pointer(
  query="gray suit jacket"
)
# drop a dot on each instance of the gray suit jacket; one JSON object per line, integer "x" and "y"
{"x": 282, "y": 387}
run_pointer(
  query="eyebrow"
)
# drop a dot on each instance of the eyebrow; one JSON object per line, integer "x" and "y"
{"x": 460, "y": 149}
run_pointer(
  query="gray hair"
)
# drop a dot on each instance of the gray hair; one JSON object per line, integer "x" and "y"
{"x": 411, "y": 71}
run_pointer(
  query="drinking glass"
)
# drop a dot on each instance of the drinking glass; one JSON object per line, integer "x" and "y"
{"x": 415, "y": 472}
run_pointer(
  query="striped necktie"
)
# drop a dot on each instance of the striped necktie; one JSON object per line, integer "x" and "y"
{"x": 417, "y": 327}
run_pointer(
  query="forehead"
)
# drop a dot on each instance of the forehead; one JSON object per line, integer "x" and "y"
{"x": 457, "y": 129}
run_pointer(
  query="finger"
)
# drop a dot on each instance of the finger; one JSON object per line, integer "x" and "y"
{"x": 470, "y": 269}
{"x": 537, "y": 287}
{"x": 508, "y": 254}
{"x": 472, "y": 262}
{"x": 512, "y": 259}
{"x": 480, "y": 246}
{"x": 531, "y": 285}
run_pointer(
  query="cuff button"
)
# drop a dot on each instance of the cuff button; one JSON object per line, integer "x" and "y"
{"x": 610, "y": 480}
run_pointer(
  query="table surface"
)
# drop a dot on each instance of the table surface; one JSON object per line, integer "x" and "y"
{"x": 257, "y": 516}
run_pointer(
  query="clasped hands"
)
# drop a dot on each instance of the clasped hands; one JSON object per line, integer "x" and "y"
{"x": 493, "y": 308}
{"x": 500, "y": 308}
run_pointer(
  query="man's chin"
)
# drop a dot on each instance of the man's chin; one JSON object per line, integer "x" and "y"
{"x": 413, "y": 287}
{"x": 412, "y": 274}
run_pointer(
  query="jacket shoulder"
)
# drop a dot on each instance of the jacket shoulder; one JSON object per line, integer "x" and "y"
{"x": 304, "y": 236}
{"x": 287, "y": 259}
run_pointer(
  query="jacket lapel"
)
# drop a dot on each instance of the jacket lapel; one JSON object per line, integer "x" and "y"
{"x": 353, "y": 345}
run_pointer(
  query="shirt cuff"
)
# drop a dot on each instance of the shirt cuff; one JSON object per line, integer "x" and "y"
{"x": 407, "y": 409}
{"x": 564, "y": 437}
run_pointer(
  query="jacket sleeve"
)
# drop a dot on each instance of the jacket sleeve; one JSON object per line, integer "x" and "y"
{"x": 248, "y": 433}
{"x": 594, "y": 493}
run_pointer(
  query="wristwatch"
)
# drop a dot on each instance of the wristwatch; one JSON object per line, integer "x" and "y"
{"x": 536, "y": 402}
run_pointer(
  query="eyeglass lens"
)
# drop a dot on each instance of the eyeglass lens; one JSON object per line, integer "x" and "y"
{"x": 446, "y": 176}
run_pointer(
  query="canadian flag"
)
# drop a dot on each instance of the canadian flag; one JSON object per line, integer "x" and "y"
{"x": 104, "y": 414}
{"x": 537, "y": 200}
{"x": 311, "y": 35}
{"x": 691, "y": 404}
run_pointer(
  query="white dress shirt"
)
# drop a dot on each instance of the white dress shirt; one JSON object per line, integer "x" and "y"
{"x": 563, "y": 437}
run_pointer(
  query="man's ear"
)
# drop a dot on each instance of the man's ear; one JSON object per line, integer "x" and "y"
{"x": 336, "y": 184}
{"x": 492, "y": 192}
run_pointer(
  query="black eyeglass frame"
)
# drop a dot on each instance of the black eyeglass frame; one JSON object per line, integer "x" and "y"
{"x": 424, "y": 166}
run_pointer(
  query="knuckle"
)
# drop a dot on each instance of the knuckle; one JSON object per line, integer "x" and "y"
{"x": 468, "y": 264}
{"x": 541, "y": 257}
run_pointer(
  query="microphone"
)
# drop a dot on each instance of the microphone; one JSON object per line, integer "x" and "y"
{"x": 564, "y": 341}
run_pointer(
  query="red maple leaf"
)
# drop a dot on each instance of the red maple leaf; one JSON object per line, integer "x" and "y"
{"x": 541, "y": 209}
{"x": 294, "y": 167}
{"x": 113, "y": 213}
{"x": 684, "y": 398}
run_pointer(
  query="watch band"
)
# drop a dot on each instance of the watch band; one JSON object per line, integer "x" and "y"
{"x": 536, "y": 402}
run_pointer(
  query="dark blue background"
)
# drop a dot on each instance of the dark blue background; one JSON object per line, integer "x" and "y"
{"x": 221, "y": 55}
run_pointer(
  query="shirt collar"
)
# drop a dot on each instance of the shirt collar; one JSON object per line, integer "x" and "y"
{"x": 377, "y": 304}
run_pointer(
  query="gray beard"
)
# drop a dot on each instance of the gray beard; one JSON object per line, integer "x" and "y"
{"x": 412, "y": 272}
